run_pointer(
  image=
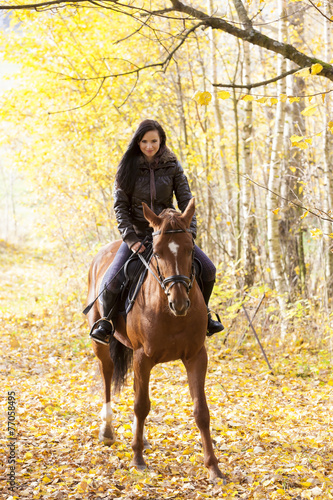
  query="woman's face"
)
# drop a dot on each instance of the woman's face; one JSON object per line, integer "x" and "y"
{"x": 150, "y": 144}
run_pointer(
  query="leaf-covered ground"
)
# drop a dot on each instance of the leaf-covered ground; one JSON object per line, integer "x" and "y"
{"x": 272, "y": 434}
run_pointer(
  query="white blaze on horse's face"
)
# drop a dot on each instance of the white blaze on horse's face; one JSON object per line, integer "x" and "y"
{"x": 174, "y": 247}
{"x": 177, "y": 266}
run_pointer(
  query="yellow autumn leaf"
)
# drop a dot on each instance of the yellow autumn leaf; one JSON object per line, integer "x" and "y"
{"x": 202, "y": 98}
{"x": 310, "y": 110}
{"x": 303, "y": 72}
{"x": 316, "y": 233}
{"x": 262, "y": 100}
{"x": 82, "y": 486}
{"x": 316, "y": 69}
{"x": 46, "y": 480}
{"x": 300, "y": 145}
{"x": 330, "y": 126}
{"x": 296, "y": 138}
{"x": 223, "y": 94}
{"x": 323, "y": 97}
{"x": 309, "y": 140}
{"x": 305, "y": 214}
{"x": 283, "y": 97}
{"x": 293, "y": 169}
{"x": 306, "y": 484}
{"x": 274, "y": 100}
{"x": 276, "y": 211}
{"x": 28, "y": 455}
{"x": 247, "y": 98}
{"x": 293, "y": 99}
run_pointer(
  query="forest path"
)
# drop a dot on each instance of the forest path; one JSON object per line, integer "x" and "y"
{"x": 272, "y": 434}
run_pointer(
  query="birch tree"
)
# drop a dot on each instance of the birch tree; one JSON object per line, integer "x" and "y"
{"x": 273, "y": 240}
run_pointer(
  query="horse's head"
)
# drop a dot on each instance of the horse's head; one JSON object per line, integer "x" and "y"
{"x": 173, "y": 248}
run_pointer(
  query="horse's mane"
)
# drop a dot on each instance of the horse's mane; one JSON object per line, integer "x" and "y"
{"x": 171, "y": 220}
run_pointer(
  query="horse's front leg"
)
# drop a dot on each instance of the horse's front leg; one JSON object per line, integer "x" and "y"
{"x": 142, "y": 366}
{"x": 106, "y": 431}
{"x": 196, "y": 372}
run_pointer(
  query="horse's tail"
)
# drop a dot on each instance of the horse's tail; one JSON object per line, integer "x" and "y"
{"x": 122, "y": 358}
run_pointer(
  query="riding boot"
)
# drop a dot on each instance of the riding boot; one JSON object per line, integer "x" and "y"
{"x": 213, "y": 325}
{"x": 105, "y": 326}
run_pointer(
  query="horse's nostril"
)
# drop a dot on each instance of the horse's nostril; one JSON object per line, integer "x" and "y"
{"x": 180, "y": 309}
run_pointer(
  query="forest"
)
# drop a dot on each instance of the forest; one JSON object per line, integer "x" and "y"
{"x": 243, "y": 89}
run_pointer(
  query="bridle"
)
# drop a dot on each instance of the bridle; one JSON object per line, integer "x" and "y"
{"x": 167, "y": 283}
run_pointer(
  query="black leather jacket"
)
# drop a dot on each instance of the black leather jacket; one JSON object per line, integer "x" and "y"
{"x": 169, "y": 180}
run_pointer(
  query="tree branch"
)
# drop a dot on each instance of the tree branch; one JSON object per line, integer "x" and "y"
{"x": 242, "y": 14}
{"x": 317, "y": 8}
{"x": 82, "y": 105}
{"x": 259, "y": 84}
{"x": 256, "y": 38}
{"x": 291, "y": 202}
{"x": 36, "y": 6}
{"x": 152, "y": 65}
{"x": 249, "y": 34}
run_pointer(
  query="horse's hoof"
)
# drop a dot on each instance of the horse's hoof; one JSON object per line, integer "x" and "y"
{"x": 139, "y": 465}
{"x": 106, "y": 436}
{"x": 107, "y": 441}
{"x": 215, "y": 475}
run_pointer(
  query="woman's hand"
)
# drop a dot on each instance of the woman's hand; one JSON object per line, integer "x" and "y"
{"x": 136, "y": 247}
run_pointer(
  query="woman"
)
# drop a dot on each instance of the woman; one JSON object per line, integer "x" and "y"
{"x": 147, "y": 172}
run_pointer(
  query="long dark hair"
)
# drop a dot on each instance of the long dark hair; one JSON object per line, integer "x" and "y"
{"x": 128, "y": 166}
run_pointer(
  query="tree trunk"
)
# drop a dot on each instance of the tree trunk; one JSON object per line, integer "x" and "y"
{"x": 219, "y": 127}
{"x": 274, "y": 185}
{"x": 249, "y": 230}
{"x": 328, "y": 168}
{"x": 291, "y": 230}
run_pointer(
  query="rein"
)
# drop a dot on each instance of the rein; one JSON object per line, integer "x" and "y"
{"x": 167, "y": 283}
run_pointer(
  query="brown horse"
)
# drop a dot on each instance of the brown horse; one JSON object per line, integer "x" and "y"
{"x": 167, "y": 322}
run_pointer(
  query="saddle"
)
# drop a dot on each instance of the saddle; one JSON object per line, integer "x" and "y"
{"x": 134, "y": 273}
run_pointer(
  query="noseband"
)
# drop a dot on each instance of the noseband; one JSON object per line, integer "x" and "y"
{"x": 167, "y": 283}
{"x": 170, "y": 281}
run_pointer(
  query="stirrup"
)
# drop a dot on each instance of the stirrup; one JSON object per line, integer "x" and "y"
{"x": 213, "y": 326}
{"x": 103, "y": 332}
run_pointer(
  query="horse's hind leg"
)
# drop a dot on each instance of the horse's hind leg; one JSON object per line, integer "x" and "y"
{"x": 196, "y": 372}
{"x": 142, "y": 366}
{"x": 106, "y": 431}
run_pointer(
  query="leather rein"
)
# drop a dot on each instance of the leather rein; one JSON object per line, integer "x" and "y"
{"x": 167, "y": 283}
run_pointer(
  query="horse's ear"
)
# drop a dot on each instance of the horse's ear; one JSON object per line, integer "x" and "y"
{"x": 189, "y": 212}
{"x": 153, "y": 219}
